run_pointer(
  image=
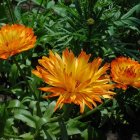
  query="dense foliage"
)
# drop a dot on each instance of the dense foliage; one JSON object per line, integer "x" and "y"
{"x": 102, "y": 28}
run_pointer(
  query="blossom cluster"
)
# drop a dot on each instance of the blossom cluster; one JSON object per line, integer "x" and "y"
{"x": 73, "y": 79}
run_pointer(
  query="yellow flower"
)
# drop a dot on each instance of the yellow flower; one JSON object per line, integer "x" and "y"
{"x": 74, "y": 79}
{"x": 125, "y": 72}
{"x": 15, "y": 39}
{"x": 90, "y": 21}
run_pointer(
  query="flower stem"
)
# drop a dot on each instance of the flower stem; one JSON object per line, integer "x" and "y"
{"x": 23, "y": 74}
{"x": 55, "y": 119}
{"x": 93, "y": 111}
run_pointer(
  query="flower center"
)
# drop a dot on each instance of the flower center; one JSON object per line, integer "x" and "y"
{"x": 130, "y": 73}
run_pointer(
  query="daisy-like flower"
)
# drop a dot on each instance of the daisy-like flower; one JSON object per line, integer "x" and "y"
{"x": 74, "y": 79}
{"x": 125, "y": 72}
{"x": 15, "y": 39}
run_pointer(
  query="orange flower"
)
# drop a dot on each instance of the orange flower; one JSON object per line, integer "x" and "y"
{"x": 74, "y": 79}
{"x": 15, "y": 39}
{"x": 125, "y": 72}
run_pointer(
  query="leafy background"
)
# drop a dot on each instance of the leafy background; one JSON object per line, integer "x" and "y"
{"x": 105, "y": 28}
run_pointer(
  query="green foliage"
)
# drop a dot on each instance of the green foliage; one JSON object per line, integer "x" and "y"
{"x": 105, "y": 28}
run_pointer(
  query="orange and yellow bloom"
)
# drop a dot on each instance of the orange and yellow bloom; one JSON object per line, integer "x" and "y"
{"x": 15, "y": 39}
{"x": 74, "y": 79}
{"x": 125, "y": 72}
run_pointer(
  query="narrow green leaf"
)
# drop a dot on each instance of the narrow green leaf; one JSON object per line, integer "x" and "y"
{"x": 26, "y": 117}
{"x": 135, "y": 20}
{"x": 78, "y": 7}
{"x": 29, "y": 120}
{"x": 131, "y": 11}
{"x": 49, "y": 137}
{"x": 13, "y": 75}
{"x": 50, "y": 110}
{"x": 62, "y": 38}
{"x": 17, "y": 13}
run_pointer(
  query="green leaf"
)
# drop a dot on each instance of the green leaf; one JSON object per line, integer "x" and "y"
{"x": 14, "y": 104}
{"x": 29, "y": 120}
{"x": 8, "y": 126}
{"x": 50, "y": 4}
{"x": 3, "y": 118}
{"x": 104, "y": 117}
{"x": 27, "y": 136}
{"x": 66, "y": 42}
{"x": 49, "y": 134}
{"x": 13, "y": 75}
{"x": 63, "y": 38}
{"x": 131, "y": 11}
{"x": 2, "y": 110}
{"x": 17, "y": 13}
{"x": 73, "y": 130}
{"x": 50, "y": 110}
{"x": 38, "y": 2}
{"x": 74, "y": 126}
{"x": 135, "y": 20}
{"x": 42, "y": 121}
{"x": 78, "y": 7}
{"x": 60, "y": 11}
{"x": 32, "y": 105}
{"x": 129, "y": 22}
{"x": 26, "y": 99}
{"x": 26, "y": 117}
{"x": 49, "y": 137}
{"x": 84, "y": 134}
{"x": 54, "y": 128}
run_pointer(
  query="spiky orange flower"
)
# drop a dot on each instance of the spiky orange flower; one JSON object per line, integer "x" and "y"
{"x": 125, "y": 72}
{"x": 15, "y": 39}
{"x": 74, "y": 79}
